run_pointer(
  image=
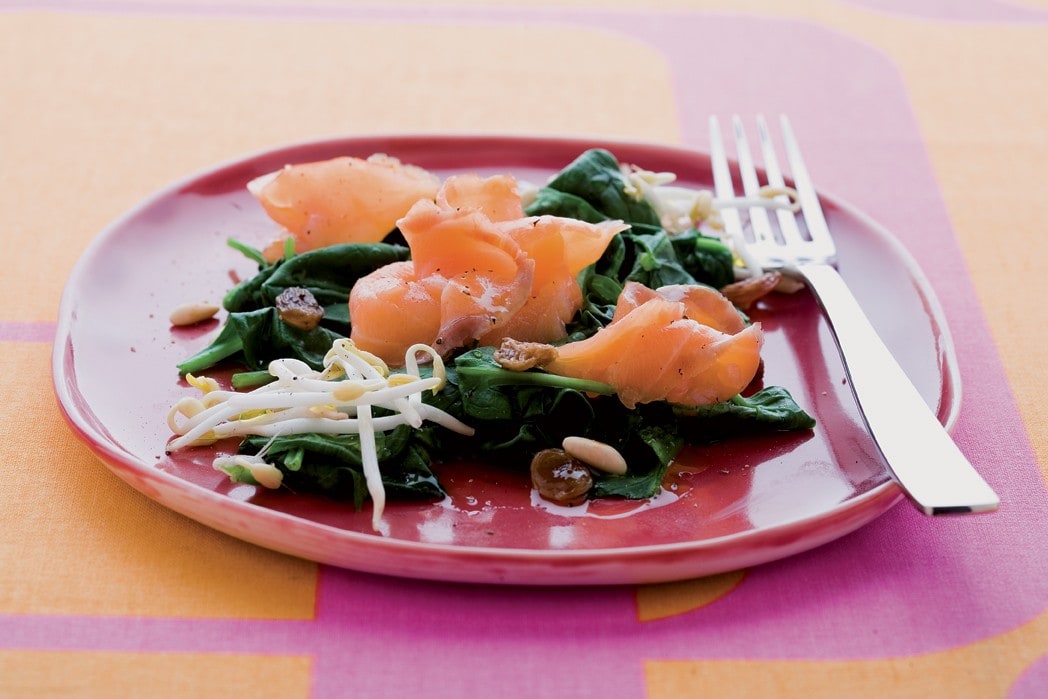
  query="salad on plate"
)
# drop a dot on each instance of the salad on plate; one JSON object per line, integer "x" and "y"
{"x": 586, "y": 329}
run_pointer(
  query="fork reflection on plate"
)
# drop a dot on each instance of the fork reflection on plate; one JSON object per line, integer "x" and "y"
{"x": 916, "y": 447}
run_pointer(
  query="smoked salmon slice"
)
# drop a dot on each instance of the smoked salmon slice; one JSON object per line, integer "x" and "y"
{"x": 654, "y": 350}
{"x": 561, "y": 248}
{"x": 391, "y": 309}
{"x": 342, "y": 200}
{"x": 464, "y": 278}
{"x": 497, "y": 197}
{"x": 702, "y": 303}
{"x": 480, "y": 271}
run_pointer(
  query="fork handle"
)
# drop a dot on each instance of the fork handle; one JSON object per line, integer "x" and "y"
{"x": 916, "y": 447}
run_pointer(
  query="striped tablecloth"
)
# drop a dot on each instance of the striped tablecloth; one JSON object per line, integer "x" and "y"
{"x": 931, "y": 117}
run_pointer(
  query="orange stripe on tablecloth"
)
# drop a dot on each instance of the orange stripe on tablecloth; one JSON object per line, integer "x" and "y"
{"x": 986, "y": 668}
{"x": 664, "y": 600}
{"x": 77, "y": 540}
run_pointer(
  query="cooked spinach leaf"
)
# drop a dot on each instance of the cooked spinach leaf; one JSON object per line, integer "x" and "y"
{"x": 596, "y": 179}
{"x": 650, "y": 258}
{"x": 256, "y": 338}
{"x": 705, "y": 258}
{"x": 553, "y": 202}
{"x": 593, "y": 188}
{"x": 516, "y": 413}
{"x": 328, "y": 273}
{"x": 519, "y": 413}
{"x": 770, "y": 409}
{"x": 648, "y": 447}
{"x": 254, "y": 332}
{"x": 332, "y": 464}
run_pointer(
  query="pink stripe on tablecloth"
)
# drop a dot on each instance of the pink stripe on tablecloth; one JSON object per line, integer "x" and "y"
{"x": 12, "y": 331}
{"x": 1031, "y": 684}
{"x": 450, "y": 640}
{"x": 983, "y": 11}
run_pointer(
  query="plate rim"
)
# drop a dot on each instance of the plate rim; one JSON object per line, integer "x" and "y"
{"x": 123, "y": 463}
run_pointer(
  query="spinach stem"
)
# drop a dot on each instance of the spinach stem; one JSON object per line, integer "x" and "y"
{"x": 495, "y": 377}
{"x": 250, "y": 379}
{"x": 247, "y": 251}
{"x": 211, "y": 355}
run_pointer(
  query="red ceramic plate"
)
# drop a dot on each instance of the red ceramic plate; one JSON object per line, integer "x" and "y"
{"x": 725, "y": 507}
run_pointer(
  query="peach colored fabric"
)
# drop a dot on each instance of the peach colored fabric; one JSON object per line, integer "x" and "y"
{"x": 104, "y": 593}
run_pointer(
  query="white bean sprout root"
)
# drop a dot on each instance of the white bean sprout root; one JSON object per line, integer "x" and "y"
{"x": 337, "y": 400}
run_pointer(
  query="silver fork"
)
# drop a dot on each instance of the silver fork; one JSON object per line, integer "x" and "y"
{"x": 918, "y": 451}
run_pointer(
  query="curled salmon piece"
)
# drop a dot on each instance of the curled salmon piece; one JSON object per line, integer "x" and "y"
{"x": 342, "y": 200}
{"x": 391, "y": 309}
{"x": 701, "y": 303}
{"x": 464, "y": 278}
{"x": 487, "y": 275}
{"x": 480, "y": 272}
{"x": 560, "y": 248}
{"x": 497, "y": 197}
{"x": 654, "y": 350}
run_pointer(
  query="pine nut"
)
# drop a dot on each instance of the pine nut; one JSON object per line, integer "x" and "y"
{"x": 596, "y": 454}
{"x": 192, "y": 313}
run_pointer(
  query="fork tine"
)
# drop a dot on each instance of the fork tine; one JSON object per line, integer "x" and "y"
{"x": 723, "y": 188}
{"x": 759, "y": 220}
{"x": 809, "y": 199}
{"x": 791, "y": 233}
{"x": 722, "y": 178}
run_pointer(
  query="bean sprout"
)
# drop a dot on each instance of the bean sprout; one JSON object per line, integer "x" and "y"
{"x": 683, "y": 208}
{"x": 337, "y": 400}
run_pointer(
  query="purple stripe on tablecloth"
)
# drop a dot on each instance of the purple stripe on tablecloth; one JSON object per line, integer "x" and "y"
{"x": 11, "y": 331}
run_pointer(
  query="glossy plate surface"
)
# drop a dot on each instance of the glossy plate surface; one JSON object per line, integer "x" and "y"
{"x": 725, "y": 507}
